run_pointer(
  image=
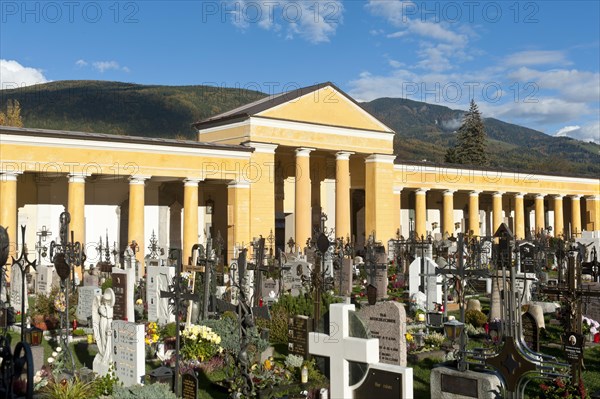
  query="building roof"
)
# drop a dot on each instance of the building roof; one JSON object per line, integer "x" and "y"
{"x": 120, "y": 138}
{"x": 269, "y": 102}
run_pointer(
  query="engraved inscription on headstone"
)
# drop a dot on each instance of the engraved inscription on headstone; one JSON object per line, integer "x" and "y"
{"x": 527, "y": 255}
{"x": 129, "y": 352}
{"x": 380, "y": 384}
{"x": 387, "y": 321}
{"x": 85, "y": 302}
{"x": 459, "y": 385}
{"x": 298, "y": 330}
{"x": 189, "y": 386}
{"x": 120, "y": 288}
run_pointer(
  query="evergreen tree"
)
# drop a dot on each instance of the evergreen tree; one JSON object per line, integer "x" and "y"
{"x": 471, "y": 146}
{"x": 12, "y": 117}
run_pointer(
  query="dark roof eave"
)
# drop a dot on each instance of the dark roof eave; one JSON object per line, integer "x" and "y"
{"x": 121, "y": 139}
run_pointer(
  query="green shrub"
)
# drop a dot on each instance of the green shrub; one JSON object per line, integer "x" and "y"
{"x": 151, "y": 391}
{"x": 476, "y": 318}
{"x": 434, "y": 339}
{"x": 106, "y": 384}
{"x": 79, "y": 332}
{"x": 278, "y": 326}
{"x": 106, "y": 284}
{"x": 168, "y": 330}
{"x": 72, "y": 389}
{"x": 227, "y": 329}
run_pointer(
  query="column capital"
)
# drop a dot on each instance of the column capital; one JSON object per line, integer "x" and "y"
{"x": 261, "y": 148}
{"x": 192, "y": 181}
{"x": 557, "y": 196}
{"x": 138, "y": 179}
{"x": 9, "y": 176}
{"x": 238, "y": 184}
{"x": 519, "y": 195}
{"x": 343, "y": 155}
{"x": 303, "y": 151}
{"x": 474, "y": 193}
{"x": 498, "y": 194}
{"x": 382, "y": 158}
{"x": 77, "y": 177}
{"x": 592, "y": 198}
{"x": 449, "y": 192}
{"x": 576, "y": 196}
{"x": 398, "y": 190}
{"x": 421, "y": 191}
{"x": 540, "y": 196}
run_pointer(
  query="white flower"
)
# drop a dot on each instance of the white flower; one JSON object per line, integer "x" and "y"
{"x": 54, "y": 354}
{"x": 59, "y": 349}
{"x": 50, "y": 360}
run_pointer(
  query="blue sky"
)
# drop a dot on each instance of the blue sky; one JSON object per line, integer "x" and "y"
{"x": 534, "y": 63}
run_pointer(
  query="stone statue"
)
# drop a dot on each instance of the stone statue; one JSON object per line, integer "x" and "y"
{"x": 102, "y": 317}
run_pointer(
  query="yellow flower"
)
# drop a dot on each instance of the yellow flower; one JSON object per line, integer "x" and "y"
{"x": 409, "y": 337}
{"x": 268, "y": 365}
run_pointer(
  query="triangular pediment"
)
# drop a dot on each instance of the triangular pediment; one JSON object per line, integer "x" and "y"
{"x": 328, "y": 106}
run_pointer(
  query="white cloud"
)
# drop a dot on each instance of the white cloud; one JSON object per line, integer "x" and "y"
{"x": 81, "y": 63}
{"x": 589, "y": 132}
{"x": 314, "y": 21}
{"x": 574, "y": 85}
{"x": 544, "y": 111}
{"x": 14, "y": 75}
{"x": 102, "y": 66}
{"x": 563, "y": 131}
{"x": 536, "y": 57}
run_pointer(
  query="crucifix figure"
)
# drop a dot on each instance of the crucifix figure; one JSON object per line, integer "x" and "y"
{"x": 41, "y": 248}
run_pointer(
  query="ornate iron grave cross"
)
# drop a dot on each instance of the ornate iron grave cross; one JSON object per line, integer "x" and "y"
{"x": 515, "y": 363}
{"x": 65, "y": 257}
{"x": 40, "y": 248}
{"x": 259, "y": 268}
{"x": 201, "y": 261}
{"x": 155, "y": 250}
{"x": 177, "y": 294}
{"x": 24, "y": 264}
{"x": 373, "y": 264}
{"x": 572, "y": 295}
{"x": 3, "y": 258}
{"x": 321, "y": 244}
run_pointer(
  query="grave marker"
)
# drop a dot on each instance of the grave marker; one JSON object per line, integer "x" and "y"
{"x": 531, "y": 331}
{"x": 298, "y": 329}
{"x": 129, "y": 352}
{"x": 43, "y": 279}
{"x": 86, "y": 301}
{"x": 189, "y": 386}
{"x": 158, "y": 279}
{"x": 123, "y": 286}
{"x": 387, "y": 322}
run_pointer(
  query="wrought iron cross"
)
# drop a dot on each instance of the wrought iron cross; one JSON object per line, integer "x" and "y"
{"x": 24, "y": 263}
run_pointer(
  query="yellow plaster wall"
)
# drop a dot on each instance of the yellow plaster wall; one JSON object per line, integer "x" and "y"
{"x": 325, "y": 106}
{"x": 51, "y": 159}
{"x": 238, "y": 219}
{"x": 262, "y": 195}
{"x": 227, "y": 135}
{"x": 379, "y": 215}
{"x": 448, "y": 178}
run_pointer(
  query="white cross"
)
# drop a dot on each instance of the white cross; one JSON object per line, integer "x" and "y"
{"x": 341, "y": 348}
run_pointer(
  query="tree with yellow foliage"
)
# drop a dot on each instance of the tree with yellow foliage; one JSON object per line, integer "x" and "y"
{"x": 12, "y": 116}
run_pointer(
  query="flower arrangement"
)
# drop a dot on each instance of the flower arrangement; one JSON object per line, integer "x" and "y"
{"x": 409, "y": 337}
{"x": 200, "y": 343}
{"x": 152, "y": 335}
{"x": 590, "y": 326}
{"x": 560, "y": 389}
{"x": 60, "y": 303}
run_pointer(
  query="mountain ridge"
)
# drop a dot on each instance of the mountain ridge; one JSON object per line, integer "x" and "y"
{"x": 423, "y": 130}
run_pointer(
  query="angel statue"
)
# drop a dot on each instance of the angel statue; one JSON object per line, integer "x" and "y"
{"x": 102, "y": 317}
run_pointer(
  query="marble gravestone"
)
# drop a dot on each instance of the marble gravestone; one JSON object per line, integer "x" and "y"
{"x": 292, "y": 278}
{"x": 387, "y": 322}
{"x": 422, "y": 278}
{"x": 269, "y": 289}
{"x": 382, "y": 380}
{"x": 43, "y": 279}
{"x": 158, "y": 279}
{"x": 16, "y": 289}
{"x": 129, "y": 354}
{"x": 343, "y": 278}
{"x": 85, "y": 302}
{"x": 123, "y": 286}
{"x": 90, "y": 279}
